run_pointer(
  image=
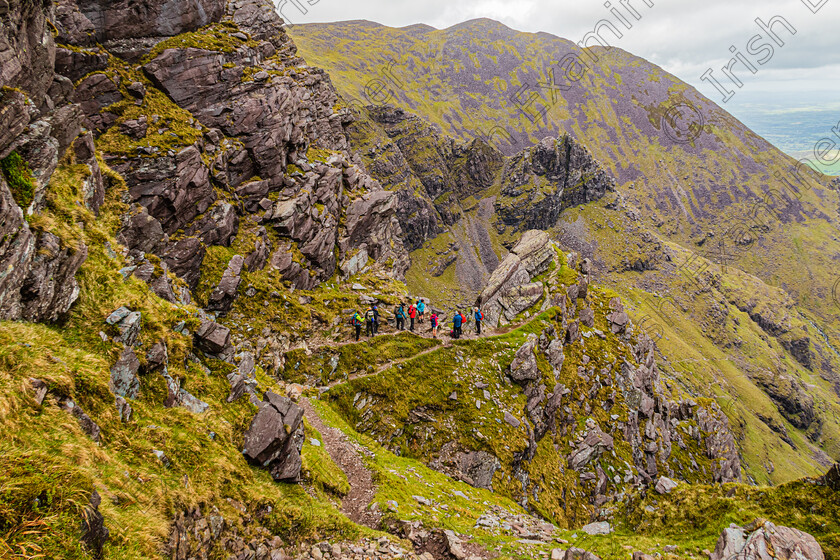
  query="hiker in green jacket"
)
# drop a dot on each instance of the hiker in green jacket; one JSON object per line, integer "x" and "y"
{"x": 356, "y": 322}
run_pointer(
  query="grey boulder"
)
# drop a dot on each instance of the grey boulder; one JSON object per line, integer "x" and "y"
{"x": 275, "y": 438}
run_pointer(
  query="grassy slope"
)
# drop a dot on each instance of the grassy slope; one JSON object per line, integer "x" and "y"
{"x": 49, "y": 467}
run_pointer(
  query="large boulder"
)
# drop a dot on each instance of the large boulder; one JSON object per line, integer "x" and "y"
{"x": 762, "y": 540}
{"x": 275, "y": 437}
{"x": 524, "y": 364}
{"x": 124, "y": 381}
{"x": 509, "y": 291}
{"x": 211, "y": 337}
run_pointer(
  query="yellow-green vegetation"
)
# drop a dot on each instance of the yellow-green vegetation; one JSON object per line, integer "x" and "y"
{"x": 50, "y": 466}
{"x": 692, "y": 516}
{"x": 707, "y": 320}
{"x": 299, "y": 315}
{"x": 408, "y": 408}
{"x": 214, "y": 37}
{"x": 453, "y": 504}
{"x": 169, "y": 126}
{"x": 318, "y": 468}
{"x": 727, "y": 196}
{"x": 19, "y": 178}
{"x": 444, "y": 288}
{"x": 340, "y": 362}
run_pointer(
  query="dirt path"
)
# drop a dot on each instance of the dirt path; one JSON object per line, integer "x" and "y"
{"x": 347, "y": 455}
{"x": 390, "y": 364}
{"x": 423, "y": 330}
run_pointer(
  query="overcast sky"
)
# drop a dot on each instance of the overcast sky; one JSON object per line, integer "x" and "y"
{"x": 686, "y": 38}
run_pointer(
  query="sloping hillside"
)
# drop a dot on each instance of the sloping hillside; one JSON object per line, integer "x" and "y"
{"x": 728, "y": 248}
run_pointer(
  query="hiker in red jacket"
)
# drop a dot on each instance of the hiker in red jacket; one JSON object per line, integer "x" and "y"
{"x": 412, "y": 313}
{"x": 434, "y": 321}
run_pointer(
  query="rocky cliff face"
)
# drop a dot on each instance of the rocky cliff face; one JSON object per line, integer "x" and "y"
{"x": 542, "y": 181}
{"x": 38, "y": 125}
{"x": 220, "y": 125}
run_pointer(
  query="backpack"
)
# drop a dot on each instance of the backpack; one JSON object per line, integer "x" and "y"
{"x": 355, "y": 320}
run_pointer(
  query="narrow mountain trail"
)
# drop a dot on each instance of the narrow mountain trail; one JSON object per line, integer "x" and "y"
{"x": 422, "y": 330}
{"x": 348, "y": 456}
{"x": 384, "y": 367}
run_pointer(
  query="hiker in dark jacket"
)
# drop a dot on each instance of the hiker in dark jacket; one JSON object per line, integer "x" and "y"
{"x": 375, "y": 319}
{"x": 369, "y": 317}
{"x": 400, "y": 315}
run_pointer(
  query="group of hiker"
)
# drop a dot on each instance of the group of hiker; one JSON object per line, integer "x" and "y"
{"x": 414, "y": 314}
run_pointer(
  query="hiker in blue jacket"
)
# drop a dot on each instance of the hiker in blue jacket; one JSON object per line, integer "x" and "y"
{"x": 400, "y": 315}
{"x": 479, "y": 317}
{"x": 421, "y": 309}
{"x": 456, "y": 325}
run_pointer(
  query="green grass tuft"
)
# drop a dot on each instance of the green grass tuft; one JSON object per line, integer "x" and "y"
{"x": 19, "y": 178}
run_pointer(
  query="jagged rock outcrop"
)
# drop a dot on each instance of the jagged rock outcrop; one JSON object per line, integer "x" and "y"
{"x": 222, "y": 297}
{"x": 371, "y": 227}
{"x": 509, "y": 291}
{"x": 129, "y": 28}
{"x": 440, "y": 163}
{"x": 94, "y": 532}
{"x": 832, "y": 477}
{"x": 38, "y": 124}
{"x": 174, "y": 189}
{"x": 124, "y": 381}
{"x": 275, "y": 437}
{"x": 201, "y": 531}
{"x": 540, "y": 182}
{"x": 762, "y": 539}
{"x": 417, "y": 215}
